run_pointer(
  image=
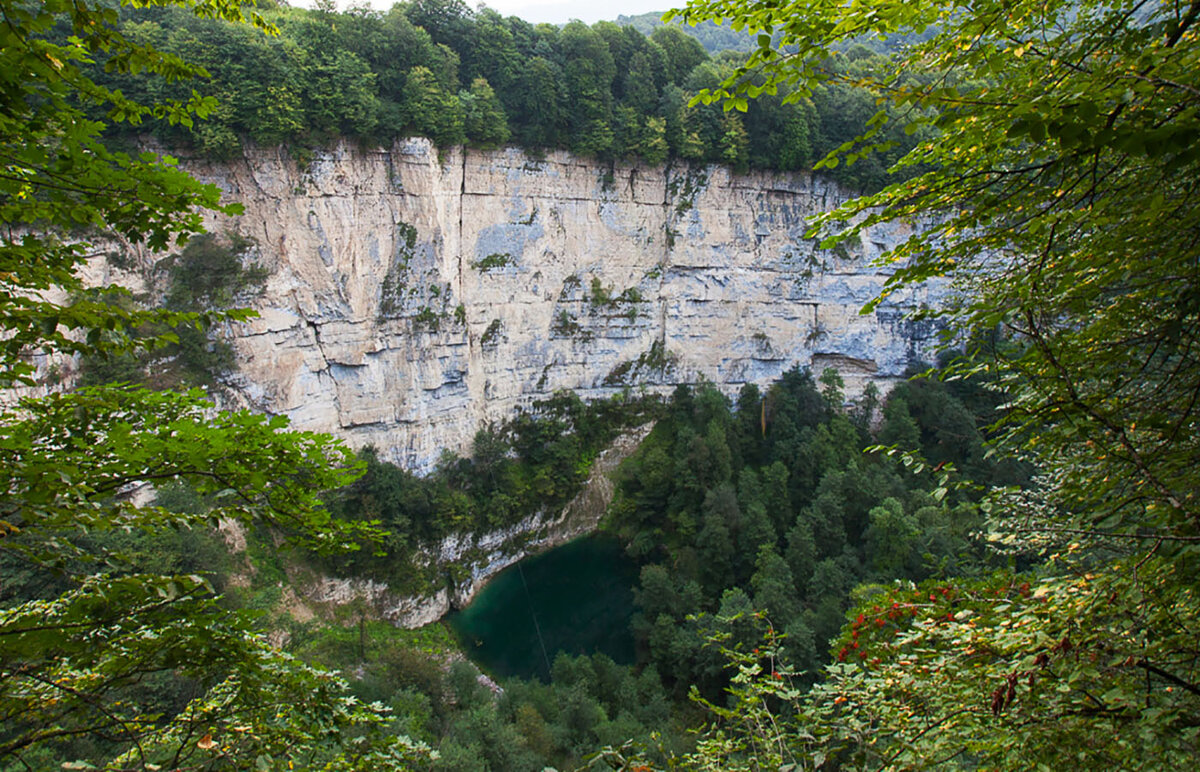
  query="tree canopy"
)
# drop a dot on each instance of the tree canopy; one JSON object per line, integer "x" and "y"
{"x": 427, "y": 68}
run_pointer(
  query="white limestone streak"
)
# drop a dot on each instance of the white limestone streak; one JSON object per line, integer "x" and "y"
{"x": 414, "y": 298}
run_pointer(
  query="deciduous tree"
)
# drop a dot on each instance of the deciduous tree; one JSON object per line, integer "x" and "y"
{"x": 73, "y": 663}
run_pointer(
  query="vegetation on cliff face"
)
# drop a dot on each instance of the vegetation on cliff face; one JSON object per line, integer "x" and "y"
{"x": 531, "y": 466}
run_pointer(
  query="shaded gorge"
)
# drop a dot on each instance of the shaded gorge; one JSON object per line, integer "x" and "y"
{"x": 577, "y": 598}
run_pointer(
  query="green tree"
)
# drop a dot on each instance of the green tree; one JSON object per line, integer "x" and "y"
{"x": 337, "y": 87}
{"x": 73, "y": 662}
{"x": 781, "y": 135}
{"x": 627, "y": 131}
{"x": 776, "y": 497}
{"x": 826, "y": 518}
{"x": 774, "y": 587}
{"x": 756, "y": 530}
{"x": 483, "y": 118}
{"x": 448, "y": 22}
{"x": 653, "y": 147}
{"x": 639, "y": 90}
{"x": 899, "y": 428}
{"x": 683, "y": 53}
{"x": 708, "y": 133}
{"x": 431, "y": 110}
{"x": 714, "y": 543}
{"x": 403, "y": 46}
{"x": 801, "y": 552}
{"x": 539, "y": 118}
{"x": 671, "y": 110}
{"x": 588, "y": 75}
{"x": 493, "y": 54}
{"x": 735, "y": 143}
{"x": 891, "y": 537}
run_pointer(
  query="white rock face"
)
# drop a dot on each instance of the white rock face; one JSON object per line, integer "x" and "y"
{"x": 415, "y": 298}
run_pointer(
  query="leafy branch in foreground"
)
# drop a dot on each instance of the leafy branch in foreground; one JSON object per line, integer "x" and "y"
{"x": 60, "y": 184}
{"x": 1061, "y": 196}
{"x": 104, "y": 664}
{"x": 77, "y": 664}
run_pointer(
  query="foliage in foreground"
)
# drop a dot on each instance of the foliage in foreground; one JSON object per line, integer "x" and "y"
{"x": 1062, "y": 197}
{"x": 205, "y": 277}
{"x": 88, "y": 636}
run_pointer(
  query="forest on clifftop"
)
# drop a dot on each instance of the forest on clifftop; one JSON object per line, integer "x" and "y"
{"x": 436, "y": 68}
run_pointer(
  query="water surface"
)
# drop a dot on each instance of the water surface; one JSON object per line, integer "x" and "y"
{"x": 576, "y": 598}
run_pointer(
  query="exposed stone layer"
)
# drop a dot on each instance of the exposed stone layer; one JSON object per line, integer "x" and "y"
{"x": 415, "y": 297}
{"x": 479, "y": 557}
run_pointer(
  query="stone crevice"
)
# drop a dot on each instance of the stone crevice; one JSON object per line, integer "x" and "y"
{"x": 333, "y": 234}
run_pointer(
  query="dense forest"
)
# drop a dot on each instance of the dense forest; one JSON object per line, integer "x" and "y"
{"x": 764, "y": 511}
{"x": 742, "y": 515}
{"x": 438, "y": 69}
{"x": 774, "y": 508}
{"x": 1006, "y": 581}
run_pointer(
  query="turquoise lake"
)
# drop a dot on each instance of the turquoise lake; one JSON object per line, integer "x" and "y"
{"x": 576, "y": 598}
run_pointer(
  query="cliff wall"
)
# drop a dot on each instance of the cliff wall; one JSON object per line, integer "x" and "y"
{"x": 415, "y": 297}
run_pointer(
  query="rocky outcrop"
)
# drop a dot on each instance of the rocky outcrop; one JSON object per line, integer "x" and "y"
{"x": 476, "y": 558}
{"x": 415, "y": 296}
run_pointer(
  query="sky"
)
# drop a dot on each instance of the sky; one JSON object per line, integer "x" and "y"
{"x": 560, "y": 11}
{"x": 552, "y": 11}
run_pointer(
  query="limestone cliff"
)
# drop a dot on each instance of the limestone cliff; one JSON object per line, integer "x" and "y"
{"x": 414, "y": 296}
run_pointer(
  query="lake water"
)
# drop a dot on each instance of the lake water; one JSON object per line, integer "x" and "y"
{"x": 576, "y": 598}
